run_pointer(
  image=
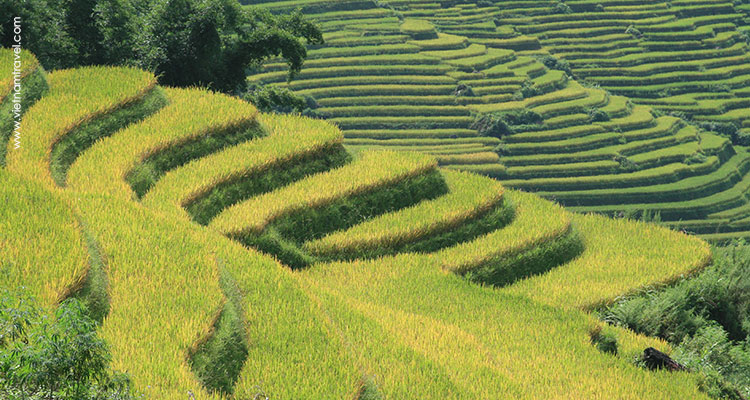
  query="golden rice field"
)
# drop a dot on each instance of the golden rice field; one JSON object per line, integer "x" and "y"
{"x": 499, "y": 307}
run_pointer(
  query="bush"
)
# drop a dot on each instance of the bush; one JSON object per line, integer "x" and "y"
{"x": 631, "y": 30}
{"x": 597, "y": 115}
{"x": 706, "y": 317}
{"x": 506, "y": 123}
{"x": 463, "y": 90}
{"x": 605, "y": 342}
{"x": 696, "y": 158}
{"x": 555, "y": 63}
{"x": 491, "y": 125}
{"x": 528, "y": 90}
{"x": 562, "y": 8}
{"x": 626, "y": 164}
{"x": 54, "y": 358}
{"x": 522, "y": 117}
{"x": 720, "y": 359}
{"x": 277, "y": 99}
{"x": 743, "y": 138}
{"x": 729, "y": 130}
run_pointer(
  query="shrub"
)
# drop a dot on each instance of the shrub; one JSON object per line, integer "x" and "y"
{"x": 726, "y": 364}
{"x": 631, "y": 30}
{"x": 54, "y": 358}
{"x": 743, "y": 138}
{"x": 706, "y": 317}
{"x": 463, "y": 90}
{"x": 729, "y": 130}
{"x": 562, "y": 8}
{"x": 528, "y": 90}
{"x": 696, "y": 158}
{"x": 491, "y": 125}
{"x": 626, "y": 164}
{"x": 277, "y": 99}
{"x": 522, "y": 117}
{"x": 555, "y": 63}
{"x": 605, "y": 342}
{"x": 597, "y": 115}
{"x": 506, "y": 123}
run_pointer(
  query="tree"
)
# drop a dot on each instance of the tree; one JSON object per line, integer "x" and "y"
{"x": 54, "y": 358}
{"x": 185, "y": 42}
{"x": 42, "y": 31}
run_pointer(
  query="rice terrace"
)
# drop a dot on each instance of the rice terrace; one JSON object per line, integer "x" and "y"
{"x": 374, "y": 199}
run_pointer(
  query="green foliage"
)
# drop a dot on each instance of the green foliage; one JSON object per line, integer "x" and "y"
{"x": 213, "y": 42}
{"x": 626, "y": 164}
{"x": 528, "y": 90}
{"x": 185, "y": 42}
{"x": 522, "y": 117}
{"x": 725, "y": 363}
{"x": 696, "y": 158}
{"x": 727, "y": 129}
{"x": 707, "y": 317}
{"x": 562, "y": 8}
{"x": 505, "y": 123}
{"x": 604, "y": 341}
{"x": 463, "y": 90}
{"x": 54, "y": 358}
{"x": 43, "y": 23}
{"x": 555, "y": 63}
{"x": 491, "y": 125}
{"x": 276, "y": 99}
{"x": 598, "y": 115}
{"x": 632, "y": 30}
{"x": 369, "y": 390}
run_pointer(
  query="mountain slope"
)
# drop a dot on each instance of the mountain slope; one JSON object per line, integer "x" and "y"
{"x": 413, "y": 75}
{"x": 198, "y": 215}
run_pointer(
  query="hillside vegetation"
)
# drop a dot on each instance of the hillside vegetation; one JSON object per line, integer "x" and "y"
{"x": 232, "y": 253}
{"x": 619, "y": 107}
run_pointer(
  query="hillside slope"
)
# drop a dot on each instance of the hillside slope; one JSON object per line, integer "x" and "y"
{"x": 396, "y": 74}
{"x": 202, "y": 228}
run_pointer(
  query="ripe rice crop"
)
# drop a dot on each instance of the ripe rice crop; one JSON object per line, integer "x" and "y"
{"x": 418, "y": 28}
{"x": 164, "y": 290}
{"x": 469, "y": 195}
{"x": 190, "y": 114}
{"x": 318, "y": 190}
{"x": 618, "y": 259}
{"x": 288, "y": 137}
{"x": 572, "y": 92}
{"x": 41, "y": 246}
{"x": 75, "y": 96}
{"x": 536, "y": 222}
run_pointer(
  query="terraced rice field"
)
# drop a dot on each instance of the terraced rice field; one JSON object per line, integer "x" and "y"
{"x": 389, "y": 72}
{"x": 343, "y": 273}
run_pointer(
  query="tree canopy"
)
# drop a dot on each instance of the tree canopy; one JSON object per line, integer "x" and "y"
{"x": 186, "y": 42}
